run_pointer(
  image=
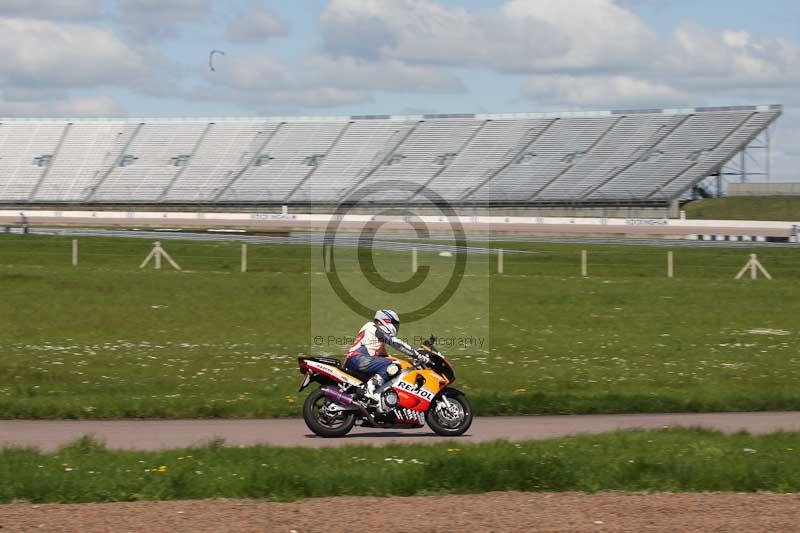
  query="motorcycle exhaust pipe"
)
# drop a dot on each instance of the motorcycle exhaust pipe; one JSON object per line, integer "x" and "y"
{"x": 348, "y": 400}
{"x": 339, "y": 397}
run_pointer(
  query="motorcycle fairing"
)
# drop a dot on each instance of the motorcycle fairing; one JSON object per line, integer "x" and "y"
{"x": 416, "y": 389}
{"x": 408, "y": 417}
{"x": 332, "y": 372}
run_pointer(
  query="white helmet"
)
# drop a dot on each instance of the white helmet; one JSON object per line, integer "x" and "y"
{"x": 388, "y": 322}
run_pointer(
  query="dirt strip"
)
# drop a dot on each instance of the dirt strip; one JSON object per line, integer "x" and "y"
{"x": 165, "y": 434}
{"x": 618, "y": 512}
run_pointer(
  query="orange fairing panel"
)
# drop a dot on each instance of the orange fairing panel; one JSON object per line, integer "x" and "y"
{"x": 413, "y": 396}
{"x": 409, "y": 401}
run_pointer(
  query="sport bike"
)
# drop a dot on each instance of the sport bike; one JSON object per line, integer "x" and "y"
{"x": 416, "y": 393}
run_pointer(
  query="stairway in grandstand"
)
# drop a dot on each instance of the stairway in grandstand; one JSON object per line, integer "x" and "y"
{"x": 630, "y": 156}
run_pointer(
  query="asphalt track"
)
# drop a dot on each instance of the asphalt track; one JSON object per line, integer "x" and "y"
{"x": 166, "y": 434}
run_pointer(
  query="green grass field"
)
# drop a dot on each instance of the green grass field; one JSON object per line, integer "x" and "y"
{"x": 669, "y": 460}
{"x": 780, "y": 208}
{"x": 107, "y": 340}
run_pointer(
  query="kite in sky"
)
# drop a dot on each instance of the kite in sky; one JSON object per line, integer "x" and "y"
{"x": 211, "y": 58}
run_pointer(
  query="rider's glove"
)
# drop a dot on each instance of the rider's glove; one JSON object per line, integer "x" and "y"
{"x": 421, "y": 359}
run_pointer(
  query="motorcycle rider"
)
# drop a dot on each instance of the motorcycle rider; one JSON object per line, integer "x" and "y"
{"x": 368, "y": 353}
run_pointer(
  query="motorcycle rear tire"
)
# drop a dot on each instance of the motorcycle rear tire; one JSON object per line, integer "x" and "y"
{"x": 439, "y": 429}
{"x": 349, "y": 418}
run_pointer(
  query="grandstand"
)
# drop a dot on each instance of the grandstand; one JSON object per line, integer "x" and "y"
{"x": 645, "y": 158}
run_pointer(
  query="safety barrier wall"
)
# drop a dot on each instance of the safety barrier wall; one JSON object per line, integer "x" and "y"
{"x": 66, "y": 216}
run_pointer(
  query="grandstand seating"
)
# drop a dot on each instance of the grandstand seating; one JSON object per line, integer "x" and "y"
{"x": 26, "y": 148}
{"x": 644, "y": 156}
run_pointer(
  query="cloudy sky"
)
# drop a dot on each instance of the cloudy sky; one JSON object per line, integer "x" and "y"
{"x": 339, "y": 57}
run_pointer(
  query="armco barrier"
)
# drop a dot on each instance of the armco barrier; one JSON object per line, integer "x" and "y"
{"x": 720, "y": 227}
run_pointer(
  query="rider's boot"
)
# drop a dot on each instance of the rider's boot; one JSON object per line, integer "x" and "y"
{"x": 369, "y": 388}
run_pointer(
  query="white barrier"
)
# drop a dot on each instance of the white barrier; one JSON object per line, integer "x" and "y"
{"x": 55, "y": 216}
{"x": 729, "y": 238}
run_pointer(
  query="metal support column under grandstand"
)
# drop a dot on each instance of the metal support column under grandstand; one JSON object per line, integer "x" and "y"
{"x": 753, "y": 161}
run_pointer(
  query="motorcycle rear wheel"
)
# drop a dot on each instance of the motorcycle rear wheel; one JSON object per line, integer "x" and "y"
{"x": 450, "y": 422}
{"x": 320, "y": 423}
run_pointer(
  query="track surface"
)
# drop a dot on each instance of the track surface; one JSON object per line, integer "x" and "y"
{"x": 165, "y": 434}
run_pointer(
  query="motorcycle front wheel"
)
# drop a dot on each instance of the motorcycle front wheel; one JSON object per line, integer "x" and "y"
{"x": 452, "y": 417}
{"x": 323, "y": 422}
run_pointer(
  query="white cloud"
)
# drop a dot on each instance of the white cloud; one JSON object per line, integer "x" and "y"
{"x": 387, "y": 75}
{"x": 320, "y": 81}
{"x": 251, "y": 73}
{"x": 520, "y": 36}
{"x": 282, "y": 100}
{"x": 584, "y": 53}
{"x": 255, "y": 25}
{"x": 52, "y": 9}
{"x": 320, "y": 97}
{"x": 40, "y": 53}
{"x": 601, "y": 35}
{"x": 721, "y": 60}
{"x": 159, "y": 19}
{"x": 83, "y": 106}
{"x": 425, "y": 32}
{"x": 658, "y": 5}
{"x": 601, "y": 92}
{"x": 31, "y": 94}
{"x": 692, "y": 66}
{"x": 262, "y": 83}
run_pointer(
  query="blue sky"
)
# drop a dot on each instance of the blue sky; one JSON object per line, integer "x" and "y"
{"x": 339, "y": 57}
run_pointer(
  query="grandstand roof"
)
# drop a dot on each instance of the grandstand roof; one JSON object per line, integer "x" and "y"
{"x": 620, "y": 156}
{"x": 347, "y": 118}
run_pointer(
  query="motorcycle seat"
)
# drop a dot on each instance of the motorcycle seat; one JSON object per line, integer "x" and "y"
{"x": 338, "y": 364}
{"x": 357, "y": 374}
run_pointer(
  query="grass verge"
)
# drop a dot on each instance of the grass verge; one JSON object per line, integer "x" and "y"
{"x": 107, "y": 340}
{"x": 679, "y": 460}
{"x": 777, "y": 208}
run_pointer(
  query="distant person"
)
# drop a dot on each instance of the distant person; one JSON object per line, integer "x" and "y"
{"x": 24, "y": 221}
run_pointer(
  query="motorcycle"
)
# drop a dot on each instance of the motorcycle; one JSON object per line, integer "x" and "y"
{"x": 417, "y": 393}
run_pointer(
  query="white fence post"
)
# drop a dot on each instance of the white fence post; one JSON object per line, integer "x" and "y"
{"x": 755, "y": 266}
{"x": 244, "y": 258}
{"x": 74, "y": 252}
{"x": 584, "y": 263}
{"x": 156, "y": 255}
{"x": 500, "y": 265}
{"x": 414, "y": 260}
{"x": 670, "y": 265}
